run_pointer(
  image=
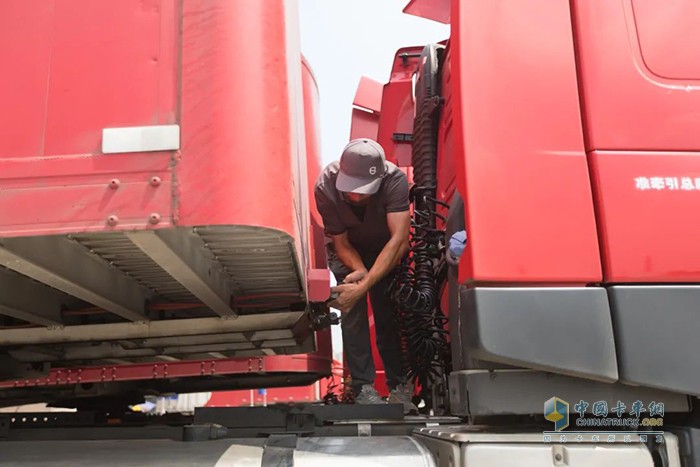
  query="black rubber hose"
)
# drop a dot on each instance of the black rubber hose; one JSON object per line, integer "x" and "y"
{"x": 420, "y": 278}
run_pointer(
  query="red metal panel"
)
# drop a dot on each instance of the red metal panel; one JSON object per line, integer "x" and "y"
{"x": 437, "y": 10}
{"x": 669, "y": 37}
{"x": 76, "y": 194}
{"x": 80, "y": 66}
{"x": 25, "y": 44}
{"x": 398, "y": 107}
{"x": 640, "y": 73}
{"x": 364, "y": 124}
{"x": 312, "y": 126}
{"x": 368, "y": 94}
{"x": 517, "y": 124}
{"x": 105, "y": 70}
{"x": 449, "y": 162}
{"x": 319, "y": 285}
{"x": 271, "y": 364}
{"x": 238, "y": 149}
{"x": 646, "y": 201}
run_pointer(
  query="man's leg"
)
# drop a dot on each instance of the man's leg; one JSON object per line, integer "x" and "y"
{"x": 355, "y": 328}
{"x": 389, "y": 346}
{"x": 388, "y": 336}
{"x": 357, "y": 346}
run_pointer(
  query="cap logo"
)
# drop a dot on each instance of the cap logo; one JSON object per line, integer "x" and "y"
{"x": 372, "y": 170}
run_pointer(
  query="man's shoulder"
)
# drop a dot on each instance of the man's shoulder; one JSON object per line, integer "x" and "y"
{"x": 395, "y": 177}
{"x": 326, "y": 179}
{"x": 393, "y": 171}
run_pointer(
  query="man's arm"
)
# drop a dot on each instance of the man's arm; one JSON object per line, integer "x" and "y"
{"x": 348, "y": 255}
{"x": 399, "y": 224}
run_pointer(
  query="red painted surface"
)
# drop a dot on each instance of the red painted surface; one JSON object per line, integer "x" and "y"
{"x": 517, "y": 125}
{"x": 236, "y": 121}
{"x": 79, "y": 67}
{"x": 397, "y": 106}
{"x": 24, "y": 90}
{"x": 312, "y": 125}
{"x": 368, "y": 94}
{"x": 449, "y": 162}
{"x": 319, "y": 288}
{"x": 367, "y": 103}
{"x": 271, "y": 364}
{"x": 437, "y": 10}
{"x": 639, "y": 73}
{"x": 312, "y": 393}
{"x": 363, "y": 124}
{"x": 318, "y": 275}
{"x": 236, "y": 125}
{"x": 229, "y": 72}
{"x": 253, "y": 397}
{"x": 118, "y": 75}
{"x": 646, "y": 204}
{"x": 73, "y": 194}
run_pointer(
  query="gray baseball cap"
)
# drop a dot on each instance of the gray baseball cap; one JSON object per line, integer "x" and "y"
{"x": 362, "y": 167}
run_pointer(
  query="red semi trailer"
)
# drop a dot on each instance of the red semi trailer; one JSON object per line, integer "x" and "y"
{"x": 154, "y": 199}
{"x": 557, "y": 136}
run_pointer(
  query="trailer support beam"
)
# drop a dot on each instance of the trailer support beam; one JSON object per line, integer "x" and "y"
{"x": 68, "y": 266}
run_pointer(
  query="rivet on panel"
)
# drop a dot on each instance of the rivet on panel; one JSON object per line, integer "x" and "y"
{"x": 112, "y": 220}
{"x": 154, "y": 218}
{"x": 156, "y": 181}
{"x": 114, "y": 183}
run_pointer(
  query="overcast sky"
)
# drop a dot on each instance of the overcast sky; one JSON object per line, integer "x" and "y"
{"x": 345, "y": 39}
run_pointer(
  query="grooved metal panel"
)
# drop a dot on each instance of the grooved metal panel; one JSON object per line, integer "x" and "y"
{"x": 258, "y": 264}
{"x": 257, "y": 260}
{"x": 120, "y": 252}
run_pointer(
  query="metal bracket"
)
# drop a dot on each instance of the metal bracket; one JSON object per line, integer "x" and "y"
{"x": 406, "y": 55}
{"x": 206, "y": 432}
{"x": 321, "y": 317}
{"x": 402, "y": 137}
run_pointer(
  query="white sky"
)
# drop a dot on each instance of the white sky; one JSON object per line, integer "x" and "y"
{"x": 344, "y": 40}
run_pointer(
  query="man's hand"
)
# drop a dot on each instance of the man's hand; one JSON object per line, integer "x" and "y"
{"x": 350, "y": 294}
{"x": 355, "y": 276}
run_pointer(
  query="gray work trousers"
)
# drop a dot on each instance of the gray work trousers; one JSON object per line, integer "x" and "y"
{"x": 355, "y": 326}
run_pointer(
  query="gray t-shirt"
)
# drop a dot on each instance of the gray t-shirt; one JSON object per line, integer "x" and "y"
{"x": 368, "y": 231}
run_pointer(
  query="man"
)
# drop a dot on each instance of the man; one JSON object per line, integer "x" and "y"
{"x": 363, "y": 200}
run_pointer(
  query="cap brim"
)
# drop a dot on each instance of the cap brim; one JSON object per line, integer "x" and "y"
{"x": 362, "y": 186}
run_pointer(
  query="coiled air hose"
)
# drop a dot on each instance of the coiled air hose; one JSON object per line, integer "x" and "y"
{"x": 420, "y": 278}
